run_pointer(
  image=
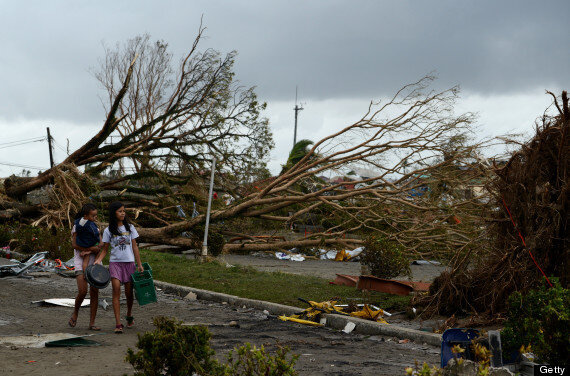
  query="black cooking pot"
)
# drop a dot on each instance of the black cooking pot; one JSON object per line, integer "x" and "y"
{"x": 97, "y": 276}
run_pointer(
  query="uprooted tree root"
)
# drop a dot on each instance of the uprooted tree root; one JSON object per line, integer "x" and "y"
{"x": 66, "y": 196}
{"x": 534, "y": 188}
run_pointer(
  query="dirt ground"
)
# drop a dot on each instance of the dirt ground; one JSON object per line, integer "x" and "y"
{"x": 323, "y": 351}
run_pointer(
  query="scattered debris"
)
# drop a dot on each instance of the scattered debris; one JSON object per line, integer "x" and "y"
{"x": 457, "y": 337}
{"x": 34, "y": 264}
{"x": 290, "y": 255}
{"x": 369, "y": 314}
{"x": 62, "y": 302}
{"x": 425, "y": 262}
{"x": 191, "y": 296}
{"x": 5, "y": 252}
{"x": 300, "y": 321}
{"x": 180, "y": 212}
{"x": 313, "y": 314}
{"x": 297, "y": 258}
{"x": 370, "y": 305}
{"x": 33, "y": 341}
{"x": 342, "y": 255}
{"x": 369, "y": 282}
{"x": 496, "y": 348}
{"x": 18, "y": 268}
{"x": 349, "y": 327}
{"x": 323, "y": 254}
{"x": 103, "y": 304}
{"x": 282, "y": 256}
{"x": 72, "y": 342}
{"x": 345, "y": 280}
{"x": 68, "y": 302}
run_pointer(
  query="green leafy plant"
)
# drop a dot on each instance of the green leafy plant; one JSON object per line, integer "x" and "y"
{"x": 424, "y": 370}
{"x": 6, "y": 234}
{"x": 540, "y": 318}
{"x": 30, "y": 239}
{"x": 252, "y": 361}
{"x": 174, "y": 349}
{"x": 385, "y": 258}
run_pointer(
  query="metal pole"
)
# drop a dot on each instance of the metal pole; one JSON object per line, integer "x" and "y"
{"x": 295, "y": 134}
{"x": 205, "y": 243}
{"x": 50, "y": 147}
{"x": 297, "y": 109}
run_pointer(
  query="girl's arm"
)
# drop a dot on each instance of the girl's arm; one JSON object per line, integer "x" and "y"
{"x": 102, "y": 254}
{"x": 137, "y": 255}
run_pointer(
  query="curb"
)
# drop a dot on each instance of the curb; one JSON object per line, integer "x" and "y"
{"x": 332, "y": 320}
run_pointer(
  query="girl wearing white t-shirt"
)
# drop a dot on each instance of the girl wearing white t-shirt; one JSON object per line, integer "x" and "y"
{"x": 121, "y": 235}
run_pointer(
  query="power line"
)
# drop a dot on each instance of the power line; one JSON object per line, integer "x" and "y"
{"x": 22, "y": 166}
{"x": 20, "y": 143}
{"x": 59, "y": 145}
{"x": 26, "y": 139}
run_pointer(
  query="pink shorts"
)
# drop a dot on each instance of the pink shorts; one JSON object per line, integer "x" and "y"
{"x": 122, "y": 271}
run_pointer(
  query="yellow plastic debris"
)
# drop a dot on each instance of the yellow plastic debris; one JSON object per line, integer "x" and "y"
{"x": 300, "y": 321}
{"x": 368, "y": 314}
{"x": 342, "y": 256}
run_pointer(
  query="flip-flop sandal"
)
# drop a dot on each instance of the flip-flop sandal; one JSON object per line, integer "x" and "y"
{"x": 95, "y": 328}
{"x": 72, "y": 322}
{"x": 119, "y": 329}
{"x": 130, "y": 321}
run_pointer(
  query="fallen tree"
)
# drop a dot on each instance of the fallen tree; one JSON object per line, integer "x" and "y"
{"x": 529, "y": 227}
{"x": 170, "y": 121}
{"x": 418, "y": 195}
{"x": 419, "y": 190}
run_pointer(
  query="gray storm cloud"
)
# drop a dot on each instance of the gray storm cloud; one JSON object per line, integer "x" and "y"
{"x": 331, "y": 49}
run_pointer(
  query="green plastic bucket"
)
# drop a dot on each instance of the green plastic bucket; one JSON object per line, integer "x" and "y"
{"x": 146, "y": 266}
{"x": 144, "y": 287}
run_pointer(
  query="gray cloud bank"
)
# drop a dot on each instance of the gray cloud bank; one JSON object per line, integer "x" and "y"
{"x": 331, "y": 49}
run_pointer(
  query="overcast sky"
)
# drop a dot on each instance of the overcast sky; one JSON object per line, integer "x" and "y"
{"x": 341, "y": 54}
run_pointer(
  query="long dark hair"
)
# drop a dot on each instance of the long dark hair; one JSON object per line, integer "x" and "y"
{"x": 85, "y": 209}
{"x": 113, "y": 226}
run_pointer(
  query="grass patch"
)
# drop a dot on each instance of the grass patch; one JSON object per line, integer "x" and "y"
{"x": 250, "y": 283}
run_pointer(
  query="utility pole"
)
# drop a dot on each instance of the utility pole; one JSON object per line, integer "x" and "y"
{"x": 297, "y": 109}
{"x": 205, "y": 243}
{"x": 50, "y": 148}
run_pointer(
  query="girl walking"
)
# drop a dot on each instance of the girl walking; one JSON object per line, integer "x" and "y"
{"x": 85, "y": 236}
{"x": 121, "y": 237}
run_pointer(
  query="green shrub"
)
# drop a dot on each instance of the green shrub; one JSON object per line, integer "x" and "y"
{"x": 30, "y": 239}
{"x": 541, "y": 318}
{"x": 385, "y": 258}
{"x": 57, "y": 241}
{"x": 251, "y": 361}
{"x": 6, "y": 234}
{"x": 174, "y": 349}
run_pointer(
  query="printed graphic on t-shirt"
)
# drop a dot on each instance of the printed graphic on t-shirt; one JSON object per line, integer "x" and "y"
{"x": 120, "y": 242}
